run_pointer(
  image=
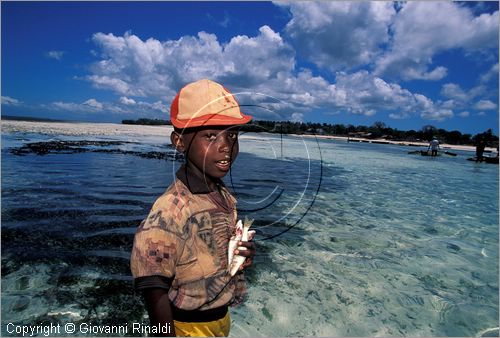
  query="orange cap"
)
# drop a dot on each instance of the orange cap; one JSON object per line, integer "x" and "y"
{"x": 205, "y": 103}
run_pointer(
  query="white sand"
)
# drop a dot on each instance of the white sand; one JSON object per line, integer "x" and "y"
{"x": 401, "y": 143}
{"x": 81, "y": 129}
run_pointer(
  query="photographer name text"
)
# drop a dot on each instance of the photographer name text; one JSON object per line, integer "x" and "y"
{"x": 85, "y": 329}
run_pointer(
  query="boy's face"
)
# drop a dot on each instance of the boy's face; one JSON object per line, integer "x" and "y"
{"x": 210, "y": 150}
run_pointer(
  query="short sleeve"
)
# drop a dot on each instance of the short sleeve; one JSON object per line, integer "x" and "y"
{"x": 156, "y": 248}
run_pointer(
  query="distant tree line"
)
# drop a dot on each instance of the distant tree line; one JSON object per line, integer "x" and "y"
{"x": 147, "y": 122}
{"x": 376, "y": 130}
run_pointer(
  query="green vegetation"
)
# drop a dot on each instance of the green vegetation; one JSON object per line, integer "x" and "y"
{"x": 378, "y": 130}
{"x": 375, "y": 131}
{"x": 147, "y": 122}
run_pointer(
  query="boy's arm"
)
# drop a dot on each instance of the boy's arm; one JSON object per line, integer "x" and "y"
{"x": 159, "y": 310}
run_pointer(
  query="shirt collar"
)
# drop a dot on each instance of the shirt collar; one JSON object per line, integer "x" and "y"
{"x": 195, "y": 183}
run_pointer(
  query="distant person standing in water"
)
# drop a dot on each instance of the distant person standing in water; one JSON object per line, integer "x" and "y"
{"x": 433, "y": 146}
{"x": 480, "y": 145}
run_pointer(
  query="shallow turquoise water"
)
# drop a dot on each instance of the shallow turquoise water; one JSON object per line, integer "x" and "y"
{"x": 354, "y": 239}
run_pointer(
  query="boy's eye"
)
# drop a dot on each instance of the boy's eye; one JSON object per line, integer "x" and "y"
{"x": 211, "y": 137}
{"x": 233, "y": 135}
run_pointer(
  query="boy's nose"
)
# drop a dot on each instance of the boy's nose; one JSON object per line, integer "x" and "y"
{"x": 223, "y": 145}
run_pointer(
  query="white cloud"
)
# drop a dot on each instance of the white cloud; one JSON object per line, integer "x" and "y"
{"x": 67, "y": 106}
{"x": 461, "y": 99}
{"x": 127, "y": 101}
{"x": 464, "y": 114}
{"x": 118, "y": 85}
{"x": 481, "y": 113}
{"x": 339, "y": 34}
{"x": 485, "y": 105}
{"x": 454, "y": 91}
{"x": 424, "y": 29}
{"x": 397, "y": 116}
{"x": 358, "y": 93}
{"x": 492, "y": 73}
{"x": 437, "y": 115}
{"x": 266, "y": 64}
{"x": 130, "y": 66}
{"x": 297, "y": 117}
{"x": 158, "y": 105}
{"x": 93, "y": 104}
{"x": 449, "y": 104}
{"x": 366, "y": 94}
{"x": 55, "y": 54}
{"x": 418, "y": 73}
{"x": 10, "y": 101}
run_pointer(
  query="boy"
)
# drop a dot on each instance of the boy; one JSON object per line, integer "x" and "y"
{"x": 179, "y": 257}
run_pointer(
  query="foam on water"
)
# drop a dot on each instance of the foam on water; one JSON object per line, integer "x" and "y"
{"x": 353, "y": 239}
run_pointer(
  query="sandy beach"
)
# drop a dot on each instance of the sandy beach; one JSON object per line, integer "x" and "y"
{"x": 110, "y": 129}
{"x": 401, "y": 143}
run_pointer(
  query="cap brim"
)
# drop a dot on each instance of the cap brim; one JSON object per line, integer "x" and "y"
{"x": 211, "y": 120}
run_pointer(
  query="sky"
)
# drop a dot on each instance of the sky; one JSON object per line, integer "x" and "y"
{"x": 406, "y": 64}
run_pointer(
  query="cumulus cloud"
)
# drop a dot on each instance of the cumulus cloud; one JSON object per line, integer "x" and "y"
{"x": 127, "y": 101}
{"x": 365, "y": 94}
{"x": 339, "y": 34}
{"x": 131, "y": 66}
{"x": 93, "y": 104}
{"x": 158, "y": 105}
{"x": 55, "y": 54}
{"x": 491, "y": 74}
{"x": 121, "y": 107}
{"x": 359, "y": 93}
{"x": 464, "y": 114}
{"x": 297, "y": 117}
{"x": 400, "y": 40}
{"x": 485, "y": 105}
{"x": 265, "y": 63}
{"x": 462, "y": 99}
{"x": 10, "y": 101}
{"x": 454, "y": 91}
{"x": 424, "y": 29}
{"x": 437, "y": 115}
{"x": 67, "y": 106}
{"x": 458, "y": 98}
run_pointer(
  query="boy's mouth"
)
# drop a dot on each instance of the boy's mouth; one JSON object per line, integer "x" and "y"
{"x": 223, "y": 165}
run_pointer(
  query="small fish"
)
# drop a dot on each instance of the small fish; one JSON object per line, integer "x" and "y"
{"x": 241, "y": 234}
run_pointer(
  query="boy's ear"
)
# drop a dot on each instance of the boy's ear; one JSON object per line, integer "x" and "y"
{"x": 177, "y": 141}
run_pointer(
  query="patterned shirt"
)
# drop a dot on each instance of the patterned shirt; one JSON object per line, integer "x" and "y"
{"x": 182, "y": 245}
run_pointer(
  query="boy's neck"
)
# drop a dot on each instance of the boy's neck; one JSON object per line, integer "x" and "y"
{"x": 197, "y": 181}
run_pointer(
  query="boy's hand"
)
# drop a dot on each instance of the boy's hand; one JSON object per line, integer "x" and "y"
{"x": 248, "y": 253}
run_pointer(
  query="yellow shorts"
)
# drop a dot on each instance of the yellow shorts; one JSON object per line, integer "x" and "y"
{"x": 216, "y": 328}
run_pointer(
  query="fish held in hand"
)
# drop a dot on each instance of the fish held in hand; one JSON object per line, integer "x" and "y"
{"x": 242, "y": 233}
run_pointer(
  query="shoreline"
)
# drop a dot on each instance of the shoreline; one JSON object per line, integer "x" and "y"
{"x": 95, "y": 128}
{"x": 399, "y": 143}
